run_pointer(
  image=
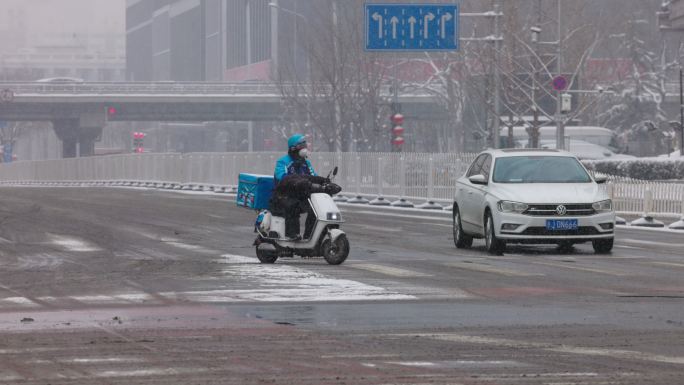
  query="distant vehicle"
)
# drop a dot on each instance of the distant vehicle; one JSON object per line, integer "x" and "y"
{"x": 580, "y": 148}
{"x": 60, "y": 80}
{"x": 592, "y": 134}
{"x": 531, "y": 196}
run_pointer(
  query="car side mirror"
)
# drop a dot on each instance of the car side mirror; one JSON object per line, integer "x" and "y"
{"x": 477, "y": 179}
{"x": 601, "y": 179}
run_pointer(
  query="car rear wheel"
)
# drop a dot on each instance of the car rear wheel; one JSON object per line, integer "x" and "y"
{"x": 461, "y": 239}
{"x": 494, "y": 245}
{"x": 602, "y": 246}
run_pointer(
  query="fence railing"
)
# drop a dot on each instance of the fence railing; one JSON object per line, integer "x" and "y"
{"x": 415, "y": 176}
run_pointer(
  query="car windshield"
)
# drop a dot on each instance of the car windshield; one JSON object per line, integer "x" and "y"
{"x": 539, "y": 169}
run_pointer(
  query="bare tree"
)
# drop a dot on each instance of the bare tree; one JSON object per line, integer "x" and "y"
{"x": 339, "y": 93}
{"x": 636, "y": 107}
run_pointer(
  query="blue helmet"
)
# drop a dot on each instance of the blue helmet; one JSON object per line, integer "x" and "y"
{"x": 295, "y": 140}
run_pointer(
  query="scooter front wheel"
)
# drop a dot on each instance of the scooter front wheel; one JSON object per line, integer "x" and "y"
{"x": 335, "y": 252}
{"x": 265, "y": 255}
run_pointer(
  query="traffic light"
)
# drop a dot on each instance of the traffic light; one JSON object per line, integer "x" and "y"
{"x": 111, "y": 112}
{"x": 138, "y": 141}
{"x": 397, "y": 131}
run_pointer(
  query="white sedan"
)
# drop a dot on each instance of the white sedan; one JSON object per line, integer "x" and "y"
{"x": 531, "y": 196}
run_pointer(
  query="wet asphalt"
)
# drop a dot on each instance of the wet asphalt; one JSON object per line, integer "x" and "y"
{"x": 113, "y": 285}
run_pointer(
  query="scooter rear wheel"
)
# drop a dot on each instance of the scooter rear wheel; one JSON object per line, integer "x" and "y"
{"x": 335, "y": 252}
{"x": 266, "y": 256}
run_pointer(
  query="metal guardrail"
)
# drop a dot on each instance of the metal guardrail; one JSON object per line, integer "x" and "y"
{"x": 414, "y": 176}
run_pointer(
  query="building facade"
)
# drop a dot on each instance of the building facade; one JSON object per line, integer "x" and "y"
{"x": 211, "y": 40}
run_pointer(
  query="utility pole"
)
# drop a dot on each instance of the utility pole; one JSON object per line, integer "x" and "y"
{"x": 534, "y": 135}
{"x": 496, "y": 39}
{"x": 336, "y": 53}
{"x": 560, "y": 129}
{"x": 497, "y": 79}
{"x": 250, "y": 124}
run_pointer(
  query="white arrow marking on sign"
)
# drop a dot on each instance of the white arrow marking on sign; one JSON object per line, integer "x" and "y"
{"x": 445, "y": 17}
{"x": 412, "y": 23}
{"x": 377, "y": 17}
{"x": 428, "y": 17}
{"x": 394, "y": 21}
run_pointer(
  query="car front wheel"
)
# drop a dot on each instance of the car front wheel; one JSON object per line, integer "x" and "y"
{"x": 602, "y": 246}
{"x": 494, "y": 245}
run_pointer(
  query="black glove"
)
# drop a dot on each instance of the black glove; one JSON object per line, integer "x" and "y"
{"x": 317, "y": 179}
{"x": 318, "y": 188}
{"x": 332, "y": 189}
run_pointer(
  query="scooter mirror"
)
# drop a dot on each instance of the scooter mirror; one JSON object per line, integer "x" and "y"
{"x": 335, "y": 171}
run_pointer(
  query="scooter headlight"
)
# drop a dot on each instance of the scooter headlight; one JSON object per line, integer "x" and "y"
{"x": 334, "y": 216}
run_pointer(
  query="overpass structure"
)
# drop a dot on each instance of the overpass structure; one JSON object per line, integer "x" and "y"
{"x": 79, "y": 111}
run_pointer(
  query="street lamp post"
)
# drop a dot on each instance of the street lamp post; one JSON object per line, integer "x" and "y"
{"x": 558, "y": 116}
{"x": 274, "y": 5}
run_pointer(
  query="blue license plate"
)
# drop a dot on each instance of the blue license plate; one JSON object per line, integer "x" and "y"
{"x": 561, "y": 224}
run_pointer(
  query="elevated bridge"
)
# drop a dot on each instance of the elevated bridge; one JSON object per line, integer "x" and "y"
{"x": 167, "y": 101}
{"x": 79, "y": 111}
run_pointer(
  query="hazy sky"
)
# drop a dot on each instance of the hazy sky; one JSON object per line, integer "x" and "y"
{"x": 32, "y": 23}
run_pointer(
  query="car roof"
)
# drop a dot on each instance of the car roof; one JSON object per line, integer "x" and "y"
{"x": 62, "y": 79}
{"x": 507, "y": 152}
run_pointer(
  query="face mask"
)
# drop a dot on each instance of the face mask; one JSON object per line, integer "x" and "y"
{"x": 304, "y": 153}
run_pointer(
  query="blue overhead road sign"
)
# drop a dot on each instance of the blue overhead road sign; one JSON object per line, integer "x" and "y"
{"x": 412, "y": 27}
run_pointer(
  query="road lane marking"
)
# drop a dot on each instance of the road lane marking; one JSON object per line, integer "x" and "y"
{"x": 387, "y": 270}
{"x": 186, "y": 246}
{"x": 375, "y": 213}
{"x": 671, "y": 264}
{"x": 72, "y": 243}
{"x": 17, "y": 301}
{"x": 557, "y": 348}
{"x": 459, "y": 363}
{"x": 587, "y": 269}
{"x": 348, "y": 356}
{"x": 491, "y": 269}
{"x": 651, "y": 243}
{"x": 384, "y": 229}
{"x": 100, "y": 360}
{"x": 114, "y": 299}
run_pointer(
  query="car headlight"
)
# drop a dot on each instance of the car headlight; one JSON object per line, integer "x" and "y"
{"x": 603, "y": 206}
{"x": 512, "y": 207}
{"x": 333, "y": 216}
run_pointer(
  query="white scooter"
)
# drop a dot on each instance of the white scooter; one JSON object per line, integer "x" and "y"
{"x": 327, "y": 240}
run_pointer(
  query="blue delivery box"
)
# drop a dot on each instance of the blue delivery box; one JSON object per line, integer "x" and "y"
{"x": 254, "y": 191}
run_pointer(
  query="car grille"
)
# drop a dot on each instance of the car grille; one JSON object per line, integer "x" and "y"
{"x": 573, "y": 210}
{"x": 583, "y": 230}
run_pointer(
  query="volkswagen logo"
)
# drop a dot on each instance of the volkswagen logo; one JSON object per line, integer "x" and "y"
{"x": 561, "y": 210}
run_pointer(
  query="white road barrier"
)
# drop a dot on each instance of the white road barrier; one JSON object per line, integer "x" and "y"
{"x": 419, "y": 177}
